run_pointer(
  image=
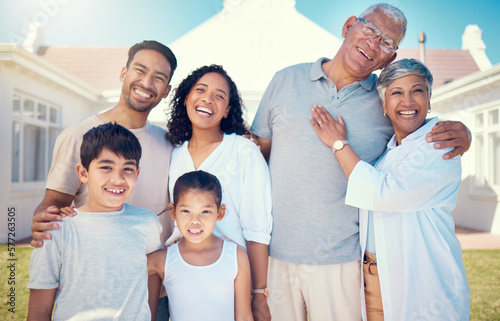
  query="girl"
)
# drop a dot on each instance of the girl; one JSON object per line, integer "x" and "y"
{"x": 206, "y": 278}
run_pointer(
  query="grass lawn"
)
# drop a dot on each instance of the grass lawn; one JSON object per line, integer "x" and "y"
{"x": 483, "y": 273}
{"x": 20, "y": 276}
{"x": 482, "y": 266}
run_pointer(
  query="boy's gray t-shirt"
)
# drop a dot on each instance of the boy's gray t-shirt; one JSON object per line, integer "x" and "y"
{"x": 97, "y": 262}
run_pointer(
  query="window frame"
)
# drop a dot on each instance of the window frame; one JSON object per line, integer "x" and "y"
{"x": 50, "y": 125}
{"x": 484, "y": 136}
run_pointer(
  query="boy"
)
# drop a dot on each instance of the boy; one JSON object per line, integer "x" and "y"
{"x": 94, "y": 267}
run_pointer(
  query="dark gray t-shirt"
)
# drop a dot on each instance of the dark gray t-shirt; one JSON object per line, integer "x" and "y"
{"x": 312, "y": 224}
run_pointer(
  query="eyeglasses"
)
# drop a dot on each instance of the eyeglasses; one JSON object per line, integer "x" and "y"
{"x": 372, "y": 31}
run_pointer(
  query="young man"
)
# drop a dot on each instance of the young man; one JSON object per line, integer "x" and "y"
{"x": 145, "y": 78}
{"x": 95, "y": 265}
{"x": 314, "y": 264}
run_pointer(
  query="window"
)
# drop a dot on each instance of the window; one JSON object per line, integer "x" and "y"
{"x": 35, "y": 126}
{"x": 487, "y": 149}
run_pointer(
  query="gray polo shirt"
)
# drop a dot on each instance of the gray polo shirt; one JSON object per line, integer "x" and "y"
{"x": 312, "y": 224}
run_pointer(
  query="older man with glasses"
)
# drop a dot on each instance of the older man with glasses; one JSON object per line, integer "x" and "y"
{"x": 314, "y": 268}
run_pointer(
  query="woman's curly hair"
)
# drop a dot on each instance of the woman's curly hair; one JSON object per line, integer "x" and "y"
{"x": 178, "y": 124}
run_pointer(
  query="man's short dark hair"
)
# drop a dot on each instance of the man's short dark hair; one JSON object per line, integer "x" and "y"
{"x": 156, "y": 46}
{"x": 110, "y": 136}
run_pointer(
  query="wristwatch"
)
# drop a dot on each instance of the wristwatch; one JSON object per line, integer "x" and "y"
{"x": 262, "y": 291}
{"x": 339, "y": 144}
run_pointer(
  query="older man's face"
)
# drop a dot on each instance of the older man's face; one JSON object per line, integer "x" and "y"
{"x": 363, "y": 55}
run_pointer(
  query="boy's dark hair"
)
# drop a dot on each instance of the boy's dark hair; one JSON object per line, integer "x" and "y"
{"x": 112, "y": 137}
{"x": 198, "y": 180}
{"x": 156, "y": 46}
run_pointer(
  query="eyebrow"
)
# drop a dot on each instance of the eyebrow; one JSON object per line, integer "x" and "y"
{"x": 158, "y": 72}
{"x": 202, "y": 84}
{"x": 422, "y": 85}
{"x": 203, "y": 206}
{"x": 109, "y": 161}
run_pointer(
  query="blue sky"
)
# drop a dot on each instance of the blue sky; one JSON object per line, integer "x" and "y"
{"x": 125, "y": 22}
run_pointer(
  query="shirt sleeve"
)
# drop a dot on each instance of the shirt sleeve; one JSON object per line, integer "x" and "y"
{"x": 419, "y": 181}
{"x": 262, "y": 123}
{"x": 46, "y": 262}
{"x": 154, "y": 236}
{"x": 62, "y": 176}
{"x": 255, "y": 207}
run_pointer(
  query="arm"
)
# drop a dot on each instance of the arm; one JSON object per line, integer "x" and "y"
{"x": 242, "y": 289}
{"x": 48, "y": 211}
{"x": 156, "y": 264}
{"x": 409, "y": 185}
{"x": 450, "y": 134}
{"x": 154, "y": 287}
{"x": 258, "y": 255}
{"x": 265, "y": 147}
{"x": 330, "y": 131}
{"x": 41, "y": 303}
{"x": 416, "y": 182}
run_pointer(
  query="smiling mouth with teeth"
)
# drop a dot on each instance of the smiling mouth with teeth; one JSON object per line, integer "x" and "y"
{"x": 364, "y": 53}
{"x": 115, "y": 191}
{"x": 195, "y": 231}
{"x": 408, "y": 112}
{"x": 204, "y": 110}
{"x": 141, "y": 93}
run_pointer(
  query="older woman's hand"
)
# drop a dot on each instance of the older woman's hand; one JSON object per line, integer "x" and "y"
{"x": 327, "y": 128}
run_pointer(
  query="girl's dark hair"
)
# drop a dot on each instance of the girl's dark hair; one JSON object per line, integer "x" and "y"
{"x": 178, "y": 124}
{"x": 110, "y": 136}
{"x": 198, "y": 180}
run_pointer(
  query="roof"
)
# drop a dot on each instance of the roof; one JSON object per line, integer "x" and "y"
{"x": 97, "y": 66}
{"x": 445, "y": 64}
{"x": 100, "y": 66}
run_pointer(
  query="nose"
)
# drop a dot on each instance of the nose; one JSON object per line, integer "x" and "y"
{"x": 195, "y": 219}
{"x": 147, "y": 81}
{"x": 207, "y": 98}
{"x": 117, "y": 177}
{"x": 374, "y": 43}
{"x": 407, "y": 100}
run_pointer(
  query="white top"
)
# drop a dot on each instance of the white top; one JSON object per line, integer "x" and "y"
{"x": 411, "y": 193}
{"x": 201, "y": 292}
{"x": 97, "y": 262}
{"x": 246, "y": 187}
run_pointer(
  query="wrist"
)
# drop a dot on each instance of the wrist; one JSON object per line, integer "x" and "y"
{"x": 339, "y": 145}
{"x": 264, "y": 292}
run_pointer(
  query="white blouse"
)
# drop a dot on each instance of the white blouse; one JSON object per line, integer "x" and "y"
{"x": 409, "y": 196}
{"x": 246, "y": 187}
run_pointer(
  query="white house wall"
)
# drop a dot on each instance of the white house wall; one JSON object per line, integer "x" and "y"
{"x": 476, "y": 208}
{"x": 252, "y": 40}
{"x": 22, "y": 198}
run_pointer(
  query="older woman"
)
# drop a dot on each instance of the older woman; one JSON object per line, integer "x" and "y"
{"x": 413, "y": 267}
